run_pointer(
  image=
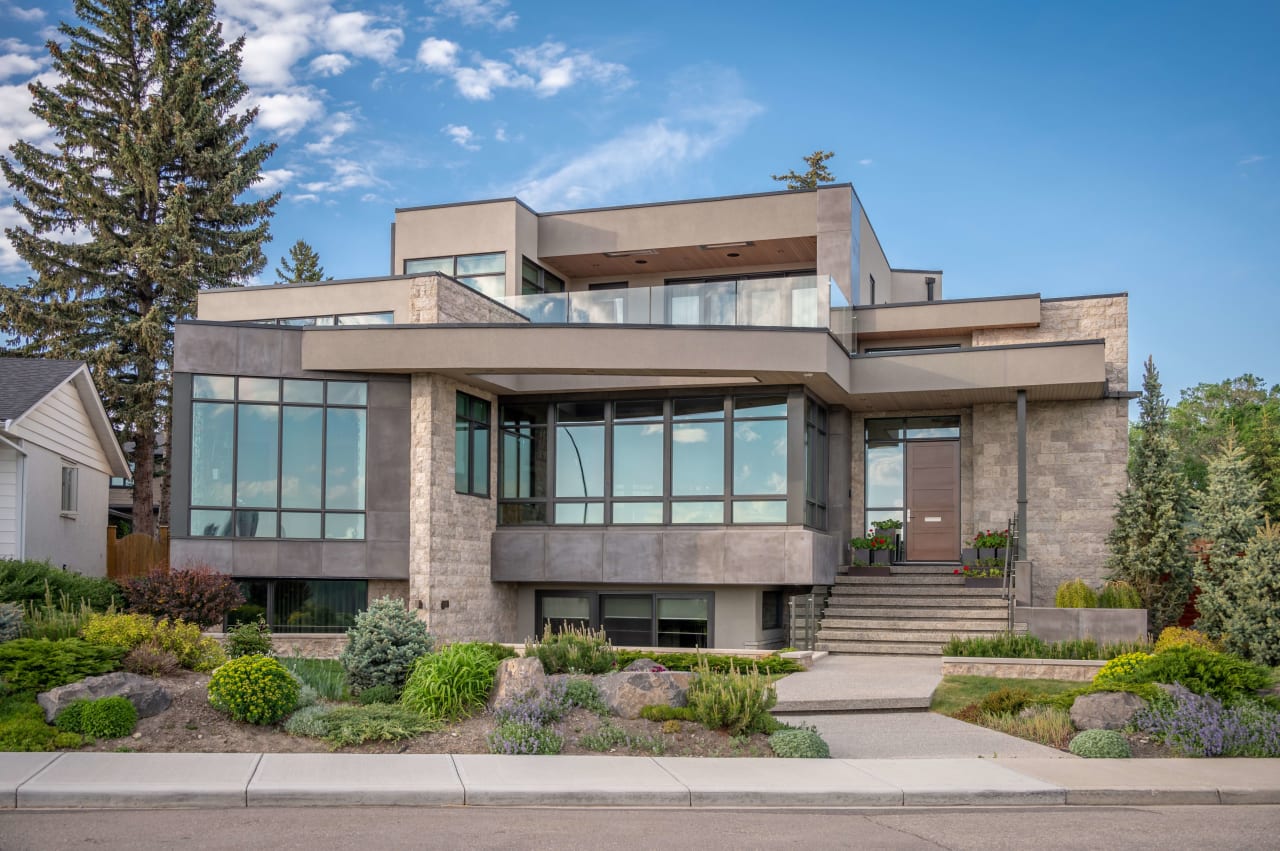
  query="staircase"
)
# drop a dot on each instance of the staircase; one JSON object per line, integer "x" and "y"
{"x": 912, "y": 612}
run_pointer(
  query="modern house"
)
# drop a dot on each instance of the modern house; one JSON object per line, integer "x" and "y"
{"x": 57, "y": 452}
{"x": 662, "y": 419}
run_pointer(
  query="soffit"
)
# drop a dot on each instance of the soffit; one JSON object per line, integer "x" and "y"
{"x": 801, "y": 251}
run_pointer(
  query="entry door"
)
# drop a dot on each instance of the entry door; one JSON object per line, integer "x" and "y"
{"x": 933, "y": 500}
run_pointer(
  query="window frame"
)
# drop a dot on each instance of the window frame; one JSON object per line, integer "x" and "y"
{"x": 593, "y": 596}
{"x": 453, "y": 262}
{"x": 270, "y": 614}
{"x": 69, "y": 502}
{"x": 470, "y": 425}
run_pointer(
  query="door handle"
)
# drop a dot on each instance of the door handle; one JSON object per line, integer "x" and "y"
{"x": 908, "y": 515}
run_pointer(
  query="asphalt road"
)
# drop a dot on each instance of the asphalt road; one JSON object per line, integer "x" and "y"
{"x": 376, "y": 828}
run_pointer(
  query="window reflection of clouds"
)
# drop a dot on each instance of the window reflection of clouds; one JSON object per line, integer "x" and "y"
{"x": 759, "y": 466}
{"x": 884, "y": 475}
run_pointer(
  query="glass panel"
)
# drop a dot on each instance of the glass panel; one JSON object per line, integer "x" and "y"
{"x": 435, "y": 264}
{"x": 212, "y": 436}
{"x": 565, "y": 611}
{"x": 301, "y": 458}
{"x": 299, "y": 524}
{"x": 637, "y": 411}
{"x": 210, "y": 524}
{"x": 637, "y": 512}
{"x": 759, "y": 406}
{"x": 384, "y": 318}
{"x": 551, "y": 283}
{"x": 878, "y": 430}
{"x": 627, "y": 621}
{"x": 771, "y": 610}
{"x": 494, "y": 286}
{"x": 697, "y": 409}
{"x": 611, "y": 307}
{"x": 698, "y": 512}
{"x": 580, "y": 461}
{"x": 301, "y": 390}
{"x": 682, "y": 622}
{"x": 932, "y": 427}
{"x": 299, "y": 322}
{"x": 344, "y": 526}
{"x": 697, "y": 459}
{"x": 461, "y": 456}
{"x": 318, "y": 605}
{"x": 522, "y": 513}
{"x": 637, "y": 460}
{"x": 479, "y": 410}
{"x": 701, "y": 303}
{"x": 479, "y": 460}
{"x": 259, "y": 390}
{"x": 524, "y": 463}
{"x": 760, "y": 457}
{"x": 257, "y": 455}
{"x": 325, "y": 321}
{"x": 580, "y": 412}
{"x": 255, "y": 524}
{"x": 522, "y": 415}
{"x": 213, "y": 387}
{"x": 884, "y": 476}
{"x": 483, "y": 264}
{"x": 348, "y": 392}
{"x": 760, "y": 511}
{"x": 255, "y": 602}
{"x": 541, "y": 308}
{"x": 344, "y": 461}
{"x": 579, "y": 513}
{"x": 804, "y": 307}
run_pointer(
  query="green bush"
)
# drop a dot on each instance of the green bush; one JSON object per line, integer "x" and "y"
{"x": 248, "y": 638}
{"x": 104, "y": 718}
{"x": 383, "y": 645}
{"x": 1121, "y": 668}
{"x": 573, "y": 650}
{"x": 379, "y": 722}
{"x": 68, "y": 741}
{"x": 1176, "y": 636}
{"x": 1011, "y": 646}
{"x": 256, "y": 689}
{"x": 716, "y": 663}
{"x": 55, "y": 618}
{"x": 379, "y": 694}
{"x": 1074, "y": 594}
{"x": 1118, "y": 594}
{"x": 1203, "y": 671}
{"x": 1100, "y": 744}
{"x": 737, "y": 702}
{"x": 452, "y": 683}
{"x": 118, "y": 630}
{"x": 151, "y": 660}
{"x": 1005, "y": 701}
{"x": 584, "y": 693}
{"x": 662, "y": 712}
{"x": 10, "y": 621}
{"x": 32, "y": 582}
{"x": 198, "y": 594}
{"x": 26, "y": 734}
{"x": 30, "y": 664}
{"x": 499, "y": 651}
{"x": 799, "y": 743}
{"x": 309, "y": 721}
{"x": 514, "y": 737}
{"x": 191, "y": 648}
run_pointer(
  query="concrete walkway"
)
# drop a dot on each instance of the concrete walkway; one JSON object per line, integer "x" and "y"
{"x": 917, "y": 735}
{"x": 860, "y": 684}
{"x": 117, "y": 780}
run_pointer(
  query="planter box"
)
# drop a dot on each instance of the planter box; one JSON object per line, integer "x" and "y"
{"x": 880, "y": 556}
{"x": 983, "y": 581}
{"x": 986, "y": 552}
{"x": 861, "y": 557}
{"x": 969, "y": 556}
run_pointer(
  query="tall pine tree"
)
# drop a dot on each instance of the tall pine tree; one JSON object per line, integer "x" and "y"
{"x": 135, "y": 209}
{"x": 1252, "y": 627}
{"x": 301, "y": 264}
{"x": 1149, "y": 542}
{"x": 1228, "y": 514}
{"x": 817, "y": 173}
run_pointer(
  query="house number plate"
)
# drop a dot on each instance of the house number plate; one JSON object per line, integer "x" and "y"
{"x": 933, "y": 520}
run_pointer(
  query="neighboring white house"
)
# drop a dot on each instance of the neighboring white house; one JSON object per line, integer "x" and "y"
{"x": 57, "y": 455}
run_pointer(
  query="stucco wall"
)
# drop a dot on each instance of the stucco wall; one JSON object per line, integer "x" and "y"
{"x": 76, "y": 542}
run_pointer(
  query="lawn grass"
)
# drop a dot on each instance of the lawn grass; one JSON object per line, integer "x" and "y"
{"x": 326, "y": 676}
{"x": 957, "y": 692}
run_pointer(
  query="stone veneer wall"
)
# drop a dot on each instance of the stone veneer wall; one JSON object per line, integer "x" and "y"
{"x": 1101, "y": 318}
{"x": 450, "y": 533}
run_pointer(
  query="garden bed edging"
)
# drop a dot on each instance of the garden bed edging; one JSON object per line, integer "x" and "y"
{"x": 1075, "y": 670}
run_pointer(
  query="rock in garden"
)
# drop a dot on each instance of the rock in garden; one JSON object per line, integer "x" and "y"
{"x": 645, "y": 665}
{"x": 516, "y": 677}
{"x": 626, "y": 693}
{"x": 1107, "y": 710}
{"x": 146, "y": 695}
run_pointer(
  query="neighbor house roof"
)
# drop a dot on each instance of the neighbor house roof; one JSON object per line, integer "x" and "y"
{"x": 25, "y": 381}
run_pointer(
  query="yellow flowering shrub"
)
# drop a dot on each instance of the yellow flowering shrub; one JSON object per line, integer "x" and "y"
{"x": 194, "y": 650}
{"x": 256, "y": 689}
{"x": 126, "y": 631}
{"x": 1119, "y": 668}
{"x": 1176, "y": 636}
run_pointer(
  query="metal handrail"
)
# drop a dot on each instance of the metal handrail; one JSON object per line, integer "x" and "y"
{"x": 1008, "y": 586}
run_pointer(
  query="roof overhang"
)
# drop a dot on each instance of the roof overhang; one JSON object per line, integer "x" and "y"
{"x": 82, "y": 381}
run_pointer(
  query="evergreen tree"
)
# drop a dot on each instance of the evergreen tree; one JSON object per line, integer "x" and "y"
{"x": 1252, "y": 626}
{"x": 1148, "y": 542}
{"x": 1228, "y": 515}
{"x": 134, "y": 210}
{"x": 817, "y": 173}
{"x": 301, "y": 264}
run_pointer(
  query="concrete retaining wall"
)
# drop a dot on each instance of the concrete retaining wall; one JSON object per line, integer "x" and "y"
{"x": 1027, "y": 669}
{"x": 1102, "y": 625}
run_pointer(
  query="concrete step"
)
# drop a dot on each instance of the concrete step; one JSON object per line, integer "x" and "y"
{"x": 901, "y": 635}
{"x": 926, "y": 590}
{"x": 947, "y": 580}
{"x": 894, "y": 624}
{"x": 910, "y": 602}
{"x": 924, "y": 569}
{"x": 999, "y": 613}
{"x": 880, "y": 648}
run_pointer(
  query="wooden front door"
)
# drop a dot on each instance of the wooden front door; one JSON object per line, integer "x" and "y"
{"x": 933, "y": 500}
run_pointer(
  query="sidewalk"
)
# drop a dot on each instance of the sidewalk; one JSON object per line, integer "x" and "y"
{"x": 115, "y": 780}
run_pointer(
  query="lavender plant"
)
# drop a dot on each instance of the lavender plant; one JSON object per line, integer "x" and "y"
{"x": 535, "y": 707}
{"x": 1199, "y": 725}
{"x": 514, "y": 738}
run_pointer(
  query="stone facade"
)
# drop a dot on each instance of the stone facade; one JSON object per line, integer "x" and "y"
{"x": 1085, "y": 318}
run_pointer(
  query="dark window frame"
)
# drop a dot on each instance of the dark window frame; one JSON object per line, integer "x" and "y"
{"x": 270, "y": 614}
{"x": 541, "y": 278}
{"x": 471, "y": 424}
{"x": 595, "y": 608}
{"x": 454, "y": 258}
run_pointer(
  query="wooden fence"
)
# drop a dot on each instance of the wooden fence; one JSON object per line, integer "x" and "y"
{"x": 136, "y": 554}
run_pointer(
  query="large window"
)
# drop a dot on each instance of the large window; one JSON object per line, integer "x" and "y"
{"x": 486, "y": 273}
{"x": 471, "y": 446}
{"x": 535, "y": 279}
{"x": 302, "y": 605}
{"x": 630, "y": 618}
{"x": 815, "y": 465}
{"x": 699, "y": 460}
{"x": 885, "y": 461}
{"x": 386, "y": 317}
{"x": 277, "y": 458}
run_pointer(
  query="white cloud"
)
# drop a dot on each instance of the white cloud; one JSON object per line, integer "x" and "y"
{"x": 438, "y": 54}
{"x": 306, "y": 198}
{"x": 689, "y": 434}
{"x": 556, "y": 69}
{"x": 500, "y": 134}
{"x": 268, "y": 58}
{"x": 476, "y": 13}
{"x": 346, "y": 174}
{"x": 29, "y": 15}
{"x": 288, "y": 112}
{"x": 329, "y": 64}
{"x": 864, "y": 162}
{"x": 13, "y": 64}
{"x": 335, "y": 126}
{"x": 17, "y": 121}
{"x": 546, "y": 69}
{"x": 461, "y": 135}
{"x": 273, "y": 180}
{"x": 1254, "y": 159}
{"x": 13, "y": 45}
{"x": 356, "y": 33}
{"x": 479, "y": 83}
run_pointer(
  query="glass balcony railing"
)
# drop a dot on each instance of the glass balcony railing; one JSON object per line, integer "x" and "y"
{"x": 798, "y": 301}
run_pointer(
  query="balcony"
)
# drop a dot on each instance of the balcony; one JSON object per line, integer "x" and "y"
{"x": 797, "y": 301}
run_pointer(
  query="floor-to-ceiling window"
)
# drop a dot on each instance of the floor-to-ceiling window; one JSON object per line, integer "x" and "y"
{"x": 887, "y": 444}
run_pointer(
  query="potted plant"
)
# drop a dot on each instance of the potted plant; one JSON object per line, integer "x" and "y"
{"x": 881, "y": 548}
{"x": 891, "y": 529}
{"x": 982, "y": 576}
{"x": 990, "y": 544}
{"x": 861, "y": 548}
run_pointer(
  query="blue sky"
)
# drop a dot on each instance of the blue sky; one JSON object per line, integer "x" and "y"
{"x": 1061, "y": 148}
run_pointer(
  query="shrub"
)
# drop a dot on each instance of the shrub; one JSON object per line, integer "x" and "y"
{"x": 1176, "y": 636}
{"x": 324, "y": 675}
{"x": 31, "y": 664}
{"x": 1005, "y": 701}
{"x": 379, "y": 694}
{"x": 450, "y": 684}
{"x": 118, "y": 630}
{"x": 26, "y": 734}
{"x": 310, "y": 721}
{"x": 1204, "y": 671}
{"x": 1199, "y": 725}
{"x": 534, "y": 707}
{"x": 737, "y": 702}
{"x": 1250, "y": 625}
{"x": 573, "y": 650}
{"x": 32, "y": 582}
{"x": 662, "y": 712}
{"x": 151, "y": 660}
{"x": 198, "y": 594}
{"x": 379, "y": 722}
{"x": 514, "y": 738}
{"x": 71, "y": 718}
{"x": 67, "y": 740}
{"x": 383, "y": 645}
{"x": 256, "y": 689}
{"x": 104, "y": 718}
{"x": 10, "y": 621}
{"x": 1100, "y": 744}
{"x": 1012, "y": 646}
{"x": 799, "y": 743}
{"x": 1048, "y": 725}
{"x": 584, "y": 693}
{"x": 1074, "y": 594}
{"x": 716, "y": 663}
{"x": 1118, "y": 594}
{"x": 194, "y": 650}
{"x": 249, "y": 638}
{"x": 184, "y": 641}
{"x": 55, "y": 618}
{"x": 499, "y": 651}
{"x": 1120, "y": 669}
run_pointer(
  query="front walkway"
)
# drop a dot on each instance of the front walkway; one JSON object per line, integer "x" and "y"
{"x": 861, "y": 684}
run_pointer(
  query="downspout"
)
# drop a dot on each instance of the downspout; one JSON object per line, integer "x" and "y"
{"x": 1022, "y": 475}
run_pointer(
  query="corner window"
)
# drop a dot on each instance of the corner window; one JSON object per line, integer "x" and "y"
{"x": 70, "y": 489}
{"x": 471, "y": 446}
{"x": 485, "y": 273}
{"x": 535, "y": 279}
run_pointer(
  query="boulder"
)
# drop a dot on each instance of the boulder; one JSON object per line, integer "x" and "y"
{"x": 626, "y": 693}
{"x": 645, "y": 665}
{"x": 146, "y": 695}
{"x": 517, "y": 676}
{"x": 1105, "y": 710}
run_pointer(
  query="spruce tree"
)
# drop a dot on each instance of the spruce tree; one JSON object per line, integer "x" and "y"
{"x": 1228, "y": 514}
{"x": 817, "y": 173}
{"x": 302, "y": 263}
{"x": 1149, "y": 542}
{"x": 1252, "y": 627}
{"x": 134, "y": 210}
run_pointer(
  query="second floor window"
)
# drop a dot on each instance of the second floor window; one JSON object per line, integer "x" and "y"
{"x": 486, "y": 273}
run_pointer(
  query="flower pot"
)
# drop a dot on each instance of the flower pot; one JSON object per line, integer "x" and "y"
{"x": 986, "y": 552}
{"x": 983, "y": 581}
{"x": 1000, "y": 554}
{"x": 969, "y": 555}
{"x": 862, "y": 557}
{"x": 879, "y": 556}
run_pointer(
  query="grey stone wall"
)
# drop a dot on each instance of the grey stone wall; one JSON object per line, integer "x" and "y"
{"x": 1102, "y": 318}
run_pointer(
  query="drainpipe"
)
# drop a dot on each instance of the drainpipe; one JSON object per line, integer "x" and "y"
{"x": 1022, "y": 475}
